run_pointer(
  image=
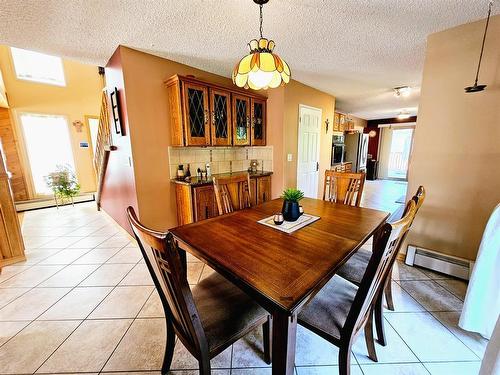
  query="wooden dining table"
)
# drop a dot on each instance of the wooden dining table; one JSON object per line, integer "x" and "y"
{"x": 281, "y": 271}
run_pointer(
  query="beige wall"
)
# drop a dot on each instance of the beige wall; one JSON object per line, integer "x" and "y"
{"x": 456, "y": 151}
{"x": 79, "y": 98}
{"x": 145, "y": 98}
{"x": 359, "y": 123}
{"x": 297, "y": 93}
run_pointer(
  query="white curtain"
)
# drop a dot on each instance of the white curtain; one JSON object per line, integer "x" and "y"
{"x": 491, "y": 360}
{"x": 482, "y": 302}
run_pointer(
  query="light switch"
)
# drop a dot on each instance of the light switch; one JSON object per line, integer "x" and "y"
{"x": 289, "y": 157}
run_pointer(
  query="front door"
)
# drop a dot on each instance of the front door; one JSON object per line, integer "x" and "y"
{"x": 308, "y": 150}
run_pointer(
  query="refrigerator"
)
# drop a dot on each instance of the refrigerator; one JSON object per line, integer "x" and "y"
{"x": 356, "y": 151}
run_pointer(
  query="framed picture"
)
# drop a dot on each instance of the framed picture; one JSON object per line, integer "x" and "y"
{"x": 115, "y": 110}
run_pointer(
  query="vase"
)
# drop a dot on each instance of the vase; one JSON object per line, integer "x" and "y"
{"x": 290, "y": 211}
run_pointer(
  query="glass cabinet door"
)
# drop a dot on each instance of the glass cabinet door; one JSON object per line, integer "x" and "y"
{"x": 241, "y": 120}
{"x": 196, "y": 115}
{"x": 220, "y": 108}
{"x": 258, "y": 122}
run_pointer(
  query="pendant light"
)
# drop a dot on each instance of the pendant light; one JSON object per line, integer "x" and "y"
{"x": 476, "y": 87}
{"x": 261, "y": 68}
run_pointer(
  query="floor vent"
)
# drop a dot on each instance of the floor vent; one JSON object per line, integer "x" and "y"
{"x": 447, "y": 264}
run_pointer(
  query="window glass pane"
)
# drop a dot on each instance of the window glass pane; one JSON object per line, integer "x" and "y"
{"x": 48, "y": 145}
{"x": 38, "y": 67}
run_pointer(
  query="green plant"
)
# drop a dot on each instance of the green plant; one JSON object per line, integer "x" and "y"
{"x": 63, "y": 183}
{"x": 292, "y": 195}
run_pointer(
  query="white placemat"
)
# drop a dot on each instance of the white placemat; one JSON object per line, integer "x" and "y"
{"x": 290, "y": 226}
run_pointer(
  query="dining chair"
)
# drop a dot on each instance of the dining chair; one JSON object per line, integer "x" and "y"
{"x": 354, "y": 269}
{"x": 232, "y": 191}
{"x": 341, "y": 309}
{"x": 207, "y": 319}
{"x": 343, "y": 187}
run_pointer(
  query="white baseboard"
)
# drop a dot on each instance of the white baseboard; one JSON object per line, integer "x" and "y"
{"x": 433, "y": 260}
{"x": 50, "y": 202}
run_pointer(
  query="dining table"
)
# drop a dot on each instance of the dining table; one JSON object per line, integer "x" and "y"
{"x": 281, "y": 271}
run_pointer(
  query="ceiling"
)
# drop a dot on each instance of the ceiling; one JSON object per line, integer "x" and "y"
{"x": 357, "y": 50}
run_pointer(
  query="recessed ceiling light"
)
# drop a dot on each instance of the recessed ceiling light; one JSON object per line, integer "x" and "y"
{"x": 403, "y": 115}
{"x": 402, "y": 91}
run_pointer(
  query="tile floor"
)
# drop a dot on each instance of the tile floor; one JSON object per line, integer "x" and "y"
{"x": 83, "y": 302}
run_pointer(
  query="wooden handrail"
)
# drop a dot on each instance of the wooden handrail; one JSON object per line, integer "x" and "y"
{"x": 103, "y": 147}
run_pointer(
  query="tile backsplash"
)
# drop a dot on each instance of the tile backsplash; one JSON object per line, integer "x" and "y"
{"x": 221, "y": 159}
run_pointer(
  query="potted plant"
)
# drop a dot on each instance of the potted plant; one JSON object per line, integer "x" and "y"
{"x": 291, "y": 198}
{"x": 63, "y": 184}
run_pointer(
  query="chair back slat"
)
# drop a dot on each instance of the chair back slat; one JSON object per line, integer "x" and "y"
{"x": 343, "y": 187}
{"x": 386, "y": 246}
{"x": 167, "y": 266}
{"x": 231, "y": 192}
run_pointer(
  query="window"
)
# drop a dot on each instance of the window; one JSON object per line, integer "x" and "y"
{"x": 94, "y": 128}
{"x": 38, "y": 67}
{"x": 48, "y": 146}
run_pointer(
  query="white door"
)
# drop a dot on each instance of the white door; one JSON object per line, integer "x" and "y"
{"x": 308, "y": 150}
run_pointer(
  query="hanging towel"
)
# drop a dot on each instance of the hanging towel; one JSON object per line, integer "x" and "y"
{"x": 482, "y": 302}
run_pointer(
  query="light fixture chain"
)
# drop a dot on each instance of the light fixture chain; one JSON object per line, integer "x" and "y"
{"x": 261, "y": 19}
{"x": 484, "y": 39}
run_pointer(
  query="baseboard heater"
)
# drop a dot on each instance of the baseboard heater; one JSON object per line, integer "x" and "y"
{"x": 447, "y": 264}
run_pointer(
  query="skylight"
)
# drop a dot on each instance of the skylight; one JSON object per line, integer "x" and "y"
{"x": 38, "y": 67}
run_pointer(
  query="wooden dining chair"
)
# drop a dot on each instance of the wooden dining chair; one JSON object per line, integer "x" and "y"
{"x": 341, "y": 309}
{"x": 343, "y": 187}
{"x": 207, "y": 319}
{"x": 231, "y": 192}
{"x": 354, "y": 269}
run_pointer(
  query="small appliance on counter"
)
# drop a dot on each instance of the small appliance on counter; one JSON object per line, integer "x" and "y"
{"x": 356, "y": 150}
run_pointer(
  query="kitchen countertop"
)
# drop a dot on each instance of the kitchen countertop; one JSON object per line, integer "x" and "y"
{"x": 196, "y": 181}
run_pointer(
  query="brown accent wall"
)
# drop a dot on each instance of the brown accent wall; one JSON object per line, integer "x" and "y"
{"x": 373, "y": 142}
{"x": 10, "y": 147}
{"x": 456, "y": 150}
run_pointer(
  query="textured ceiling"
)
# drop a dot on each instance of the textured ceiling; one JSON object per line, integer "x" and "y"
{"x": 356, "y": 50}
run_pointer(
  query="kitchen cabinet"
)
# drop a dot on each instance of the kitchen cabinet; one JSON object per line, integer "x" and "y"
{"x": 258, "y": 132}
{"x": 196, "y": 200}
{"x": 220, "y": 114}
{"x": 342, "y": 122}
{"x": 336, "y": 122}
{"x": 197, "y": 128}
{"x": 205, "y": 204}
{"x": 241, "y": 120}
{"x": 263, "y": 189}
{"x": 207, "y": 114}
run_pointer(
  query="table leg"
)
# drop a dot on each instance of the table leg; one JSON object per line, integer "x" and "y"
{"x": 284, "y": 337}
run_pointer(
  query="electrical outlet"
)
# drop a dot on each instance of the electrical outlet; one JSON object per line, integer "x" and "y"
{"x": 289, "y": 157}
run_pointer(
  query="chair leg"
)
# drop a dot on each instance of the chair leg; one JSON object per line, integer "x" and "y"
{"x": 345, "y": 359}
{"x": 169, "y": 349}
{"x": 267, "y": 329}
{"x": 204, "y": 364}
{"x": 388, "y": 293}
{"x": 370, "y": 343}
{"x": 379, "y": 320}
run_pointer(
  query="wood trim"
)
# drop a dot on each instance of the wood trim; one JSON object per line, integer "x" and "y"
{"x": 231, "y": 89}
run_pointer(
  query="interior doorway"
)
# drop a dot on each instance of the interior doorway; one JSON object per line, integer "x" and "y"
{"x": 48, "y": 146}
{"x": 308, "y": 150}
{"x": 395, "y": 149}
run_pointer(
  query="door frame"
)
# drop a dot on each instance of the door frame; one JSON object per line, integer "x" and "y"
{"x": 381, "y": 148}
{"x": 299, "y": 128}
